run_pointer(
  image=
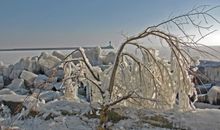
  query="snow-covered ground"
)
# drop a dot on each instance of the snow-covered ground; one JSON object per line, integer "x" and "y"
{"x": 201, "y": 119}
{"x": 65, "y": 115}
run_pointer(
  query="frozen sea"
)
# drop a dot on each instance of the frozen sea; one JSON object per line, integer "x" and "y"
{"x": 12, "y": 57}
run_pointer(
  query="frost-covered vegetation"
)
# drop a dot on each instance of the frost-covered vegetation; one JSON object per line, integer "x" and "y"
{"x": 122, "y": 90}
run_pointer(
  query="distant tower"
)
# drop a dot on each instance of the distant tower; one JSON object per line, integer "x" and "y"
{"x": 110, "y": 43}
{"x": 109, "y": 46}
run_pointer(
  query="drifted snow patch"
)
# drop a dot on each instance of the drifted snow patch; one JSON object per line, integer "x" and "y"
{"x": 214, "y": 95}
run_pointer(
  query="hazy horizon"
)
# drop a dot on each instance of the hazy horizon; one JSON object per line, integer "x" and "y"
{"x": 13, "y": 57}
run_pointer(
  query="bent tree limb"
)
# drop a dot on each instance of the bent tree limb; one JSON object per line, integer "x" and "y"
{"x": 170, "y": 39}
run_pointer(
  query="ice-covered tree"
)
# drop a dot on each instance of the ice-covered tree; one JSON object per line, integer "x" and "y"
{"x": 145, "y": 79}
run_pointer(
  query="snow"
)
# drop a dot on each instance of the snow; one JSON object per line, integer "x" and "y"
{"x": 214, "y": 95}
{"x": 49, "y": 95}
{"x": 47, "y": 61}
{"x": 67, "y": 110}
{"x": 59, "y": 55}
{"x": 201, "y": 119}
{"x": 6, "y": 91}
{"x": 67, "y": 115}
{"x": 28, "y": 76}
{"x": 59, "y": 123}
{"x": 18, "y": 86}
{"x": 201, "y": 105}
{"x": 40, "y": 79}
{"x": 13, "y": 98}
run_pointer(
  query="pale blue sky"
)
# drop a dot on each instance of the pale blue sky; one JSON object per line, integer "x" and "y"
{"x": 56, "y": 23}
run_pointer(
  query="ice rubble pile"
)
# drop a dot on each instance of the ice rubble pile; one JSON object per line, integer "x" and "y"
{"x": 41, "y": 78}
{"x": 34, "y": 84}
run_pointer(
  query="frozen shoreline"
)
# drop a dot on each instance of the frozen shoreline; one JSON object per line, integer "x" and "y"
{"x": 54, "y": 112}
